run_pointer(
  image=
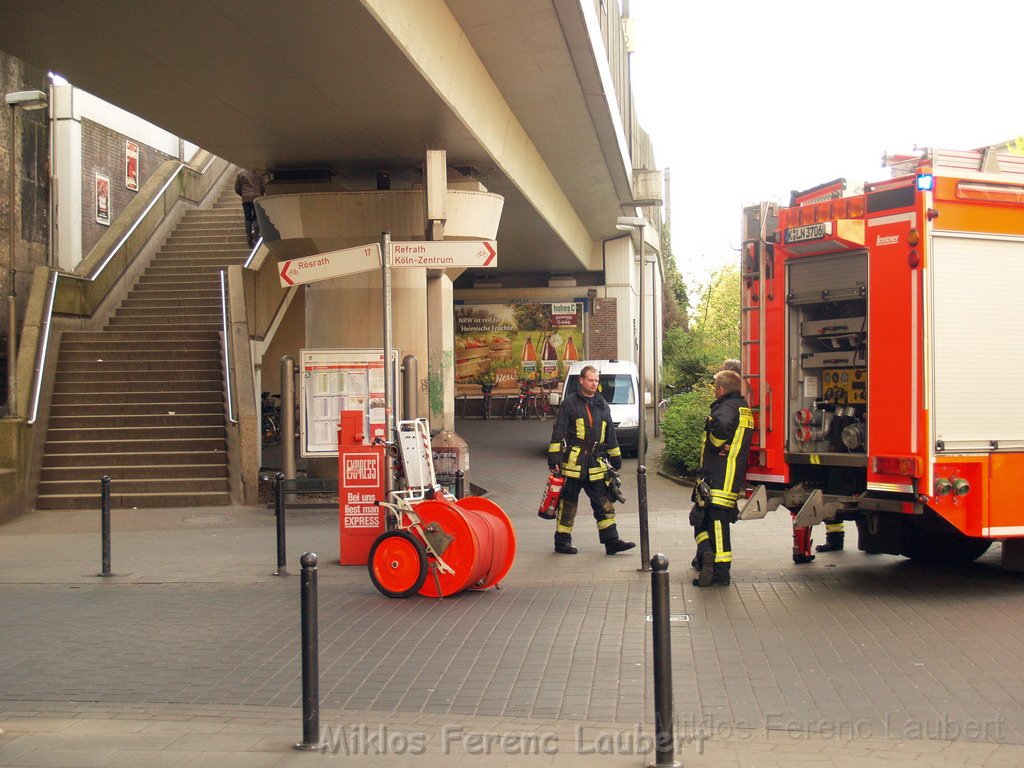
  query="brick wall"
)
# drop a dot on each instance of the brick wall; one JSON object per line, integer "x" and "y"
{"x": 103, "y": 152}
{"x": 31, "y": 198}
{"x": 603, "y": 334}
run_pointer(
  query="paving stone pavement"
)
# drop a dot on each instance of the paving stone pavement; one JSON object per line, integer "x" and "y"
{"x": 191, "y": 654}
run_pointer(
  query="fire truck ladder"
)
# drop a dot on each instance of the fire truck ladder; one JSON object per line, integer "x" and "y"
{"x": 758, "y": 222}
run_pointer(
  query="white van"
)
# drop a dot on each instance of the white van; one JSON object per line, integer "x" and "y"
{"x": 619, "y": 385}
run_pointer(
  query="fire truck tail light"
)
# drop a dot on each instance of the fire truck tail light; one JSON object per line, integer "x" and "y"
{"x": 806, "y": 215}
{"x": 896, "y": 465}
{"x": 961, "y": 487}
{"x": 925, "y": 182}
{"x": 913, "y": 238}
{"x": 856, "y": 207}
{"x": 839, "y": 208}
{"x": 822, "y": 212}
{"x": 943, "y": 487}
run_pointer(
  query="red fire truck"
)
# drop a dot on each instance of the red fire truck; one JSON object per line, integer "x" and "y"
{"x": 881, "y": 334}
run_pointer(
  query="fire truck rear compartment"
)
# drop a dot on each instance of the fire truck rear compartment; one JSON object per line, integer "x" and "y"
{"x": 827, "y": 396}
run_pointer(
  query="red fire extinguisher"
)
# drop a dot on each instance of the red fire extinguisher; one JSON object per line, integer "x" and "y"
{"x": 549, "y": 504}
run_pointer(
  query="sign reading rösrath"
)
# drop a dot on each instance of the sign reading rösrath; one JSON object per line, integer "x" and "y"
{"x": 444, "y": 253}
{"x": 324, "y": 266}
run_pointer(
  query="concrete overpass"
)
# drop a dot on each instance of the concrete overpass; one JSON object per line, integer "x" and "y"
{"x": 530, "y": 100}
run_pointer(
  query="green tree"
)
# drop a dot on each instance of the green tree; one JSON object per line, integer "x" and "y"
{"x": 692, "y": 355}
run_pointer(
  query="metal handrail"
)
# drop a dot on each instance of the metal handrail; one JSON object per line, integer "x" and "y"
{"x": 37, "y": 375}
{"x": 227, "y": 359}
{"x": 252, "y": 253}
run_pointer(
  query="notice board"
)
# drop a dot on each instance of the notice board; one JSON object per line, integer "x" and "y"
{"x": 335, "y": 380}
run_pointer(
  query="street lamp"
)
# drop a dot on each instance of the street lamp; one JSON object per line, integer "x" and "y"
{"x": 629, "y": 223}
{"x": 25, "y": 100}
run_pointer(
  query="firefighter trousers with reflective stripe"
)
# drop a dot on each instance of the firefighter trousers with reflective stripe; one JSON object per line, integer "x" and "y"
{"x": 712, "y": 538}
{"x": 600, "y": 501}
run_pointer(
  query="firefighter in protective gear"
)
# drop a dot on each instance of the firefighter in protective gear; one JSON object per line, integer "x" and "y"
{"x": 835, "y": 534}
{"x": 727, "y": 434}
{"x": 583, "y": 433}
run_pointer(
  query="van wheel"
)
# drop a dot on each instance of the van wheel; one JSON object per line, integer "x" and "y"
{"x": 936, "y": 542}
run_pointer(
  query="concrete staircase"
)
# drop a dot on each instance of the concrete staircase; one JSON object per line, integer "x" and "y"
{"x": 143, "y": 399}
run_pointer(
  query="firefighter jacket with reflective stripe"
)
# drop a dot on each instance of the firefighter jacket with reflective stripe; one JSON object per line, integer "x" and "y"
{"x": 723, "y": 455}
{"x": 583, "y": 431}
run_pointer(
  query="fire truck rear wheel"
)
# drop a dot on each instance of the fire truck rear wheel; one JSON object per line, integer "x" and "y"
{"x": 397, "y": 564}
{"x": 940, "y": 547}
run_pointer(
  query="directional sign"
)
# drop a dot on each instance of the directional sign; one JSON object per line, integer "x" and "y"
{"x": 445, "y": 253}
{"x": 324, "y": 266}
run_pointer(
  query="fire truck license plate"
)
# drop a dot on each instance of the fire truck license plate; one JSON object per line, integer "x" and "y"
{"x": 809, "y": 232}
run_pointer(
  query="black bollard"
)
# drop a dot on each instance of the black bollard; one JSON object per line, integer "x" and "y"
{"x": 641, "y": 501}
{"x": 664, "y": 747}
{"x": 310, "y": 657}
{"x": 282, "y": 569}
{"x": 105, "y": 523}
{"x": 460, "y": 484}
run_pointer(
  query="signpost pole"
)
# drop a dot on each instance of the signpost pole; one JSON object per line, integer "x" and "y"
{"x": 389, "y": 393}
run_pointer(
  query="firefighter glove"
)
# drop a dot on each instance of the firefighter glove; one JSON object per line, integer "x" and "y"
{"x": 696, "y": 517}
{"x": 554, "y": 463}
{"x": 616, "y": 462}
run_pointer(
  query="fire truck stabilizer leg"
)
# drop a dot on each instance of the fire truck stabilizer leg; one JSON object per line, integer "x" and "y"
{"x": 802, "y": 544}
{"x": 834, "y": 536}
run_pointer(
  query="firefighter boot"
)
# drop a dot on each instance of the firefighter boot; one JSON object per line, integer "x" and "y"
{"x": 563, "y": 544}
{"x": 615, "y": 546}
{"x": 834, "y": 535}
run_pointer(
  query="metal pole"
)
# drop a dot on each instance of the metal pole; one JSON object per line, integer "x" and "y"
{"x": 656, "y": 328}
{"x": 282, "y": 569}
{"x": 664, "y": 745}
{"x": 105, "y": 523}
{"x": 410, "y": 386}
{"x": 288, "y": 416}
{"x": 460, "y": 484}
{"x": 12, "y": 312}
{"x": 641, "y": 446}
{"x": 389, "y": 393}
{"x": 310, "y": 658}
{"x": 645, "y": 532}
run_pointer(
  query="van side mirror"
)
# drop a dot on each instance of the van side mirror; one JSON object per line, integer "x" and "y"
{"x": 555, "y": 399}
{"x": 648, "y": 400}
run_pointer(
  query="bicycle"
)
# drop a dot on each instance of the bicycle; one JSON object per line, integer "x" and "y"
{"x": 540, "y": 403}
{"x": 666, "y": 403}
{"x": 270, "y": 420}
{"x": 519, "y": 409}
{"x": 486, "y": 389}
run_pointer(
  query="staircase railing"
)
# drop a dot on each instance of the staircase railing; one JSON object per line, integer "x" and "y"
{"x": 81, "y": 292}
{"x": 227, "y": 360}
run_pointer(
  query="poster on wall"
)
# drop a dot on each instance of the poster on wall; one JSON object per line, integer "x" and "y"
{"x": 498, "y": 344}
{"x": 131, "y": 165}
{"x": 103, "y": 200}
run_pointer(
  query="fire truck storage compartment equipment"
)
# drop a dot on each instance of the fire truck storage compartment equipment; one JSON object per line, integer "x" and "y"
{"x": 360, "y": 487}
{"x": 828, "y": 334}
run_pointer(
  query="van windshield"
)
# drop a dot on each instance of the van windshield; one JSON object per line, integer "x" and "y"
{"x": 616, "y": 388}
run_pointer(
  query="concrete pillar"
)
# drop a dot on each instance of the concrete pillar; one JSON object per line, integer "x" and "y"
{"x": 347, "y": 313}
{"x": 67, "y": 179}
{"x": 441, "y": 356}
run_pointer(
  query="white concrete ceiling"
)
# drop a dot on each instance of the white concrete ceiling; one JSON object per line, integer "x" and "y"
{"x": 266, "y": 83}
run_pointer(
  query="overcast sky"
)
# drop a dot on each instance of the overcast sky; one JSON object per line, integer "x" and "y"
{"x": 746, "y": 101}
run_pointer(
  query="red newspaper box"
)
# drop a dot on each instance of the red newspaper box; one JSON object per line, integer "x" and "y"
{"x": 360, "y": 486}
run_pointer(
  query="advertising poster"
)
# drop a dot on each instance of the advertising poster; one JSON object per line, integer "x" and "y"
{"x": 131, "y": 165}
{"x": 498, "y": 344}
{"x": 103, "y": 200}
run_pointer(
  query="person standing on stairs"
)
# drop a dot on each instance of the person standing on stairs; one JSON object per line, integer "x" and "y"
{"x": 249, "y": 185}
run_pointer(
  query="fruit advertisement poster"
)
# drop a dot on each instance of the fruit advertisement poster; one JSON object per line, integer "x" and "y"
{"x": 497, "y": 344}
